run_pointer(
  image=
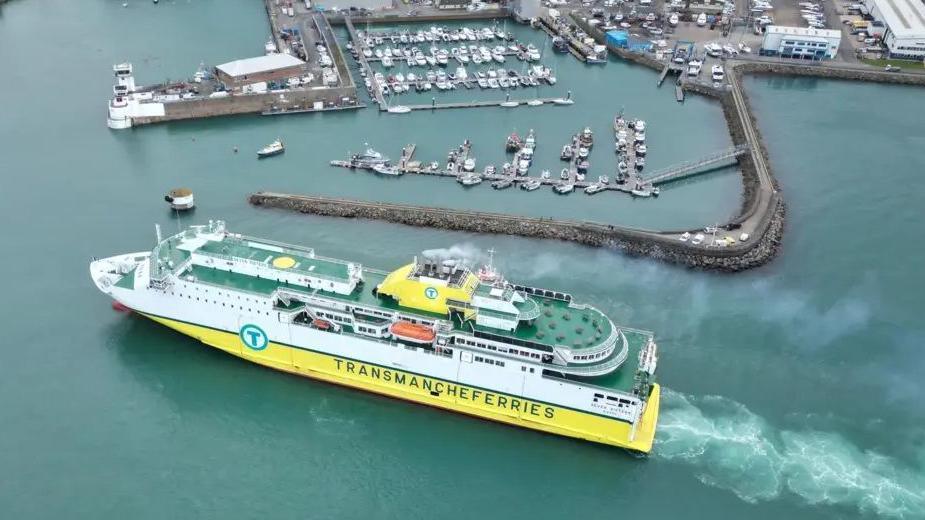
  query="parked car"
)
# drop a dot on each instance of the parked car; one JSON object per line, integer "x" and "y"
{"x": 892, "y": 68}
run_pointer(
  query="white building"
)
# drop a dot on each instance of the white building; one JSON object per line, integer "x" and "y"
{"x": 904, "y": 35}
{"x": 800, "y": 42}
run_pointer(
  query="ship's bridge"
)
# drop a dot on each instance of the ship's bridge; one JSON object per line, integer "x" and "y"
{"x": 431, "y": 286}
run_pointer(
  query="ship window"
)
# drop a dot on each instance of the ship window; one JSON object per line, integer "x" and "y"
{"x": 612, "y": 398}
{"x": 601, "y": 396}
{"x": 523, "y": 368}
{"x": 531, "y": 370}
{"x": 499, "y": 363}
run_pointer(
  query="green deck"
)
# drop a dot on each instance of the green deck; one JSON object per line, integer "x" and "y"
{"x": 623, "y": 378}
{"x": 243, "y": 248}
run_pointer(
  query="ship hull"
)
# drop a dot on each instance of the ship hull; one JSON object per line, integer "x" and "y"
{"x": 440, "y": 393}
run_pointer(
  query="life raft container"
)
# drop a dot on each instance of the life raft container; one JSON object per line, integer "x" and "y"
{"x": 413, "y": 332}
{"x": 321, "y": 324}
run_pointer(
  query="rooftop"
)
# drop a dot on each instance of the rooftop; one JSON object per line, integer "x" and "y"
{"x": 303, "y": 262}
{"x": 905, "y": 18}
{"x": 259, "y": 64}
{"x": 803, "y": 31}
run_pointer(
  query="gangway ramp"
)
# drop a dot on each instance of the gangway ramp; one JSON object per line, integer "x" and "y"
{"x": 695, "y": 167}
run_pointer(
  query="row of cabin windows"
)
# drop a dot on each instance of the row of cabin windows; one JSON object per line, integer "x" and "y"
{"x": 334, "y": 317}
{"x": 591, "y": 356}
{"x": 368, "y": 330}
{"x": 620, "y": 401}
{"x": 501, "y": 349}
{"x": 524, "y": 369}
{"x": 220, "y": 293}
{"x": 216, "y": 302}
{"x": 489, "y": 361}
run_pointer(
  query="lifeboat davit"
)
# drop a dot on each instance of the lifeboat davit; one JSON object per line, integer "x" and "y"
{"x": 413, "y": 332}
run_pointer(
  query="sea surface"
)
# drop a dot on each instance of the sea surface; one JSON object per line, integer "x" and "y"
{"x": 791, "y": 391}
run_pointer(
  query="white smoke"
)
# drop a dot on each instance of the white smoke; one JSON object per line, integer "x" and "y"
{"x": 470, "y": 254}
{"x": 732, "y": 448}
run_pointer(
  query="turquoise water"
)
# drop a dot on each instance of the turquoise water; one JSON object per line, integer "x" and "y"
{"x": 792, "y": 391}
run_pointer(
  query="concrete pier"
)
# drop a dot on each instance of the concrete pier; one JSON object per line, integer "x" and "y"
{"x": 656, "y": 244}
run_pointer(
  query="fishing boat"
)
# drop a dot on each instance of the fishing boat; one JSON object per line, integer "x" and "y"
{"x": 513, "y": 143}
{"x": 586, "y": 138}
{"x": 180, "y": 199}
{"x": 275, "y": 148}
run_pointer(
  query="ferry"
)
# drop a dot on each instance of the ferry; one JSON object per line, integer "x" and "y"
{"x": 430, "y": 332}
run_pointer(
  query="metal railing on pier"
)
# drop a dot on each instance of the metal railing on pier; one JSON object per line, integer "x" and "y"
{"x": 697, "y": 166}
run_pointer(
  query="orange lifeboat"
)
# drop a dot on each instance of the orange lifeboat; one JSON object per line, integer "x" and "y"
{"x": 413, "y": 332}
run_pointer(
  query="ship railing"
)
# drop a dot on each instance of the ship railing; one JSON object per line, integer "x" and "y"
{"x": 259, "y": 263}
{"x": 599, "y": 369}
{"x": 530, "y": 313}
{"x": 296, "y": 250}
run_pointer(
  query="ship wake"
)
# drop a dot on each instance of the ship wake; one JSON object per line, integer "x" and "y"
{"x": 733, "y": 448}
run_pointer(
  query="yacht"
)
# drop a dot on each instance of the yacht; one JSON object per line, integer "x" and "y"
{"x": 531, "y": 185}
{"x": 564, "y": 188}
{"x": 718, "y": 73}
{"x": 275, "y": 148}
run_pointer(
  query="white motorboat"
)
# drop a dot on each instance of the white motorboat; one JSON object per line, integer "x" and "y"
{"x": 718, "y": 73}
{"x": 531, "y": 185}
{"x": 693, "y": 67}
{"x": 535, "y": 102}
{"x": 275, "y": 148}
{"x": 469, "y": 180}
{"x": 399, "y": 109}
{"x": 469, "y": 164}
{"x": 564, "y": 188}
{"x": 595, "y": 188}
{"x": 385, "y": 169}
{"x": 702, "y": 20}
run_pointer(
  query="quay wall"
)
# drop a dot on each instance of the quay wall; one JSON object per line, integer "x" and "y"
{"x": 633, "y": 241}
{"x": 491, "y": 14}
{"x": 245, "y": 104}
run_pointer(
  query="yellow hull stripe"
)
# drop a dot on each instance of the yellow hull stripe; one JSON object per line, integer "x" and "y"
{"x": 435, "y": 392}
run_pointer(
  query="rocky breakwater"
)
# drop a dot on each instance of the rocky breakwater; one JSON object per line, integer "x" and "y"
{"x": 663, "y": 246}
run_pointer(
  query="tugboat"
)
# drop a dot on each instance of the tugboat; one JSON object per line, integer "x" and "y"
{"x": 586, "y": 138}
{"x": 274, "y": 148}
{"x": 513, "y": 143}
{"x": 559, "y": 44}
{"x": 180, "y": 199}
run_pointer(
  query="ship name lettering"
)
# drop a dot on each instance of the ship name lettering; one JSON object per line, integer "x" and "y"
{"x": 457, "y": 391}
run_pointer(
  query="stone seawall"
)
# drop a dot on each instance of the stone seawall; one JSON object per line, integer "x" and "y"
{"x": 637, "y": 242}
{"x": 830, "y": 72}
